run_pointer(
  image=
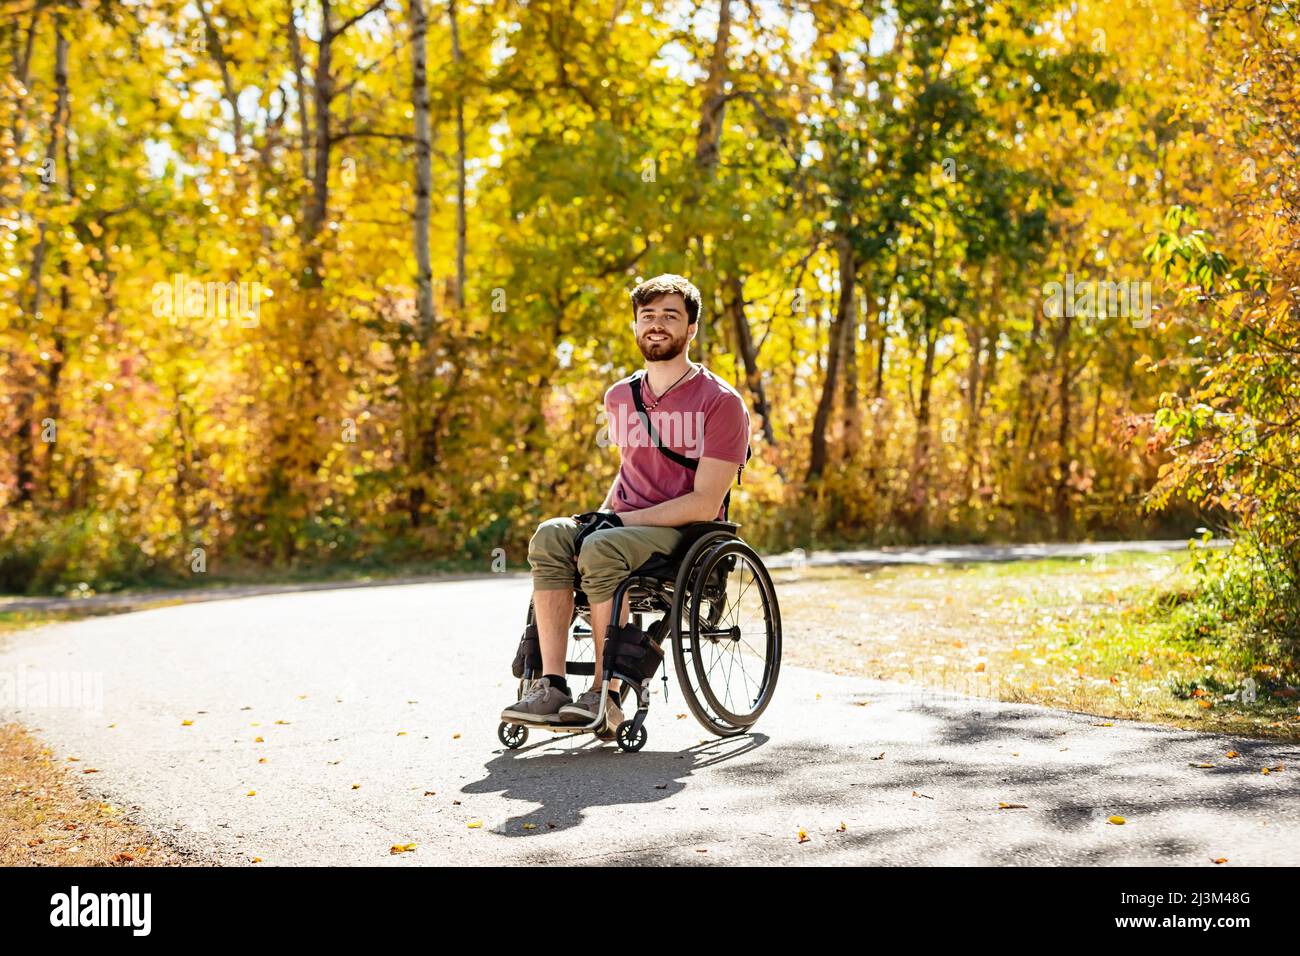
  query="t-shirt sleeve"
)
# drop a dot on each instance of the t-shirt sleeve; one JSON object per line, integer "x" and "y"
{"x": 726, "y": 430}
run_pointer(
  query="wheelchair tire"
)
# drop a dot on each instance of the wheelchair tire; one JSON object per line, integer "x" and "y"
{"x": 629, "y": 742}
{"x": 682, "y": 646}
{"x": 732, "y": 629}
{"x": 513, "y": 736}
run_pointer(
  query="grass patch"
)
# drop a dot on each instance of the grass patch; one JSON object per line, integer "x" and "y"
{"x": 46, "y": 819}
{"x": 1125, "y": 635}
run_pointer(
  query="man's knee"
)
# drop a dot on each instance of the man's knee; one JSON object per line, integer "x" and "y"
{"x": 552, "y": 539}
{"x": 600, "y": 551}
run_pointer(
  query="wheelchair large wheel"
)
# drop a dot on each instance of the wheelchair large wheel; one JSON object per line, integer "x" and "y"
{"x": 727, "y": 645}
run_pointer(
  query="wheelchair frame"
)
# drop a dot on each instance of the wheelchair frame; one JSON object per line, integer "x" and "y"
{"x": 658, "y": 587}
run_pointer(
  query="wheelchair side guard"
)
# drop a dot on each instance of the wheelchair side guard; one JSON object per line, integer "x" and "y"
{"x": 528, "y": 658}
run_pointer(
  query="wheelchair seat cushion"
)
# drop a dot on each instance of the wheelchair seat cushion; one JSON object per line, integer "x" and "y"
{"x": 697, "y": 529}
{"x": 665, "y": 565}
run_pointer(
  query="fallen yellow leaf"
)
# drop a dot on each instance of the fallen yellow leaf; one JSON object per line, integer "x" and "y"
{"x": 251, "y": 793}
{"x": 397, "y": 848}
{"x": 803, "y": 836}
{"x": 187, "y": 723}
{"x": 1118, "y": 821}
{"x": 475, "y": 824}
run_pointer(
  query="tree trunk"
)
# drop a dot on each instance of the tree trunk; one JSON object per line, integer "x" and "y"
{"x": 423, "y": 171}
{"x": 852, "y": 405}
{"x": 228, "y": 91}
{"x": 714, "y": 105}
{"x": 1063, "y": 462}
{"x": 918, "y": 502}
{"x": 708, "y": 136}
{"x": 318, "y": 202}
{"x": 25, "y": 452}
{"x": 843, "y": 315}
{"x": 304, "y": 152}
{"x": 734, "y": 303}
{"x": 458, "y": 58}
{"x": 421, "y": 440}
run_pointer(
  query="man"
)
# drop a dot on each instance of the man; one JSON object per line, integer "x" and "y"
{"x": 696, "y": 416}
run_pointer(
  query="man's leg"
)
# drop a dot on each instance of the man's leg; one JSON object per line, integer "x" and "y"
{"x": 606, "y": 560}
{"x": 554, "y": 613}
{"x": 552, "y": 557}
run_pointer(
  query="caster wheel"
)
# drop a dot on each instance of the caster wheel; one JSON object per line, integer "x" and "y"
{"x": 513, "y": 736}
{"x": 628, "y": 742}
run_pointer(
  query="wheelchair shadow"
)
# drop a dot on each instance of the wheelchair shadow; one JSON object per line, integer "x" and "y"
{"x": 565, "y": 788}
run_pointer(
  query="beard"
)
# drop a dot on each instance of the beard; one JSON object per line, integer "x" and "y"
{"x": 662, "y": 351}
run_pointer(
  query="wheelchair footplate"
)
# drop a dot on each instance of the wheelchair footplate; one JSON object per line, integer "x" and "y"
{"x": 630, "y": 735}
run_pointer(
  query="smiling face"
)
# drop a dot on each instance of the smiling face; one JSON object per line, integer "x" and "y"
{"x": 663, "y": 329}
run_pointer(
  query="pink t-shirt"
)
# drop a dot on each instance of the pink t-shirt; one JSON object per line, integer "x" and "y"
{"x": 703, "y": 417}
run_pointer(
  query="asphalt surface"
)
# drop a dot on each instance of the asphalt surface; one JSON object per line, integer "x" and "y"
{"x": 378, "y": 707}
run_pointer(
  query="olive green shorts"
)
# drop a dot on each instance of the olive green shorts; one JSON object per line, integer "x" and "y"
{"x": 607, "y": 557}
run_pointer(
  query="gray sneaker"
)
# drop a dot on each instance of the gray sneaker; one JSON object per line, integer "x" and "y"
{"x": 539, "y": 705}
{"x": 584, "y": 709}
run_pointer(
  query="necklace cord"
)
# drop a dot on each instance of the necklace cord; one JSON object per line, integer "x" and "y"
{"x": 655, "y": 404}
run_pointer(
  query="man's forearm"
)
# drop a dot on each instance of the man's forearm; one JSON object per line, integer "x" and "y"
{"x": 673, "y": 513}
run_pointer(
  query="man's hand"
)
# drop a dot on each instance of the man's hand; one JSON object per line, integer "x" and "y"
{"x": 590, "y": 522}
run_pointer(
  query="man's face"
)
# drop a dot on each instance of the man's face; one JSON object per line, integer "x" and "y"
{"x": 662, "y": 331}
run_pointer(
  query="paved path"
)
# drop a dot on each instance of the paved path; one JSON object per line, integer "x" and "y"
{"x": 377, "y": 708}
{"x": 929, "y": 554}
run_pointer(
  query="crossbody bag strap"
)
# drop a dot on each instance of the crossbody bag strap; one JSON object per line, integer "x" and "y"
{"x": 644, "y": 416}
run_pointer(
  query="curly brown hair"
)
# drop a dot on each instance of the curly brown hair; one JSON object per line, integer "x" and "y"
{"x": 666, "y": 284}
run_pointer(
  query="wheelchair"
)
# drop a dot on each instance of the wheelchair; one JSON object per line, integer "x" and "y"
{"x": 714, "y": 599}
